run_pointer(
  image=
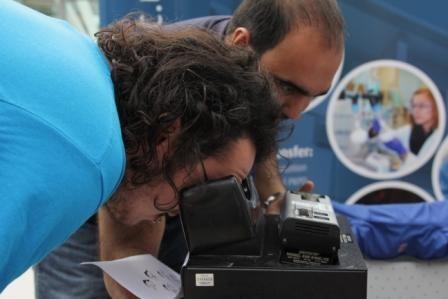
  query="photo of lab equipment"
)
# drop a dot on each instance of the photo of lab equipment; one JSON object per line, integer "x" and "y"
{"x": 443, "y": 178}
{"x": 390, "y": 192}
{"x": 389, "y": 195}
{"x": 386, "y": 121}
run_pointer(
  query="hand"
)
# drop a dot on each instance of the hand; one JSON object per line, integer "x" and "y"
{"x": 307, "y": 187}
{"x": 117, "y": 240}
{"x": 115, "y": 290}
{"x": 395, "y": 145}
{"x": 275, "y": 207}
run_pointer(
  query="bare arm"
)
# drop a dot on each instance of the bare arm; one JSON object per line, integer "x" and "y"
{"x": 268, "y": 181}
{"x": 267, "y": 177}
{"x": 118, "y": 240}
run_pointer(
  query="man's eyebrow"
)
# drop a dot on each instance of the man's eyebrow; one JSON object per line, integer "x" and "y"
{"x": 298, "y": 88}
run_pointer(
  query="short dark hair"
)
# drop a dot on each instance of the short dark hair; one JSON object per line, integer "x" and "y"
{"x": 216, "y": 91}
{"x": 269, "y": 21}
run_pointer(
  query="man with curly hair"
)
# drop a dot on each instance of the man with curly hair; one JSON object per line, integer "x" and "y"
{"x": 127, "y": 124}
{"x": 300, "y": 43}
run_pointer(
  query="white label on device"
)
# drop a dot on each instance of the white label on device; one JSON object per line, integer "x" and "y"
{"x": 205, "y": 280}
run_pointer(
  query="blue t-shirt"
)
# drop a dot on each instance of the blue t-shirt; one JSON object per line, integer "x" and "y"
{"x": 61, "y": 151}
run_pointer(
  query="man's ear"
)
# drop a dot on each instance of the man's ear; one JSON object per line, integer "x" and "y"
{"x": 241, "y": 37}
{"x": 167, "y": 138}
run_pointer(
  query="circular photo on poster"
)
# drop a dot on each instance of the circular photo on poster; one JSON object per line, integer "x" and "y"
{"x": 389, "y": 192}
{"x": 385, "y": 119}
{"x": 440, "y": 172}
{"x": 318, "y": 100}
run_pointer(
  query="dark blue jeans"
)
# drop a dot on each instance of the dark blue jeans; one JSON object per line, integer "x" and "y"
{"x": 60, "y": 275}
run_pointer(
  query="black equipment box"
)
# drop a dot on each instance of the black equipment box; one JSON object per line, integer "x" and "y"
{"x": 263, "y": 276}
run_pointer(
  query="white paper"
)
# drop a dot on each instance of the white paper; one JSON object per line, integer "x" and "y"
{"x": 144, "y": 276}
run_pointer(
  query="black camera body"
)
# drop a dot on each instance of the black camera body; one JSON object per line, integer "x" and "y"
{"x": 217, "y": 214}
{"x": 279, "y": 256}
{"x": 309, "y": 232}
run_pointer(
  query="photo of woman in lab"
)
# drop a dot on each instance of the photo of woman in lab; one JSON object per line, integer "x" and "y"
{"x": 414, "y": 139}
{"x": 386, "y": 120}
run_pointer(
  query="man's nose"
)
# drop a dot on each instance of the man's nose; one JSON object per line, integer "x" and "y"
{"x": 293, "y": 108}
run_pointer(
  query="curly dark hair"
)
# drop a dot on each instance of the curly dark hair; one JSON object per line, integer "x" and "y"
{"x": 216, "y": 91}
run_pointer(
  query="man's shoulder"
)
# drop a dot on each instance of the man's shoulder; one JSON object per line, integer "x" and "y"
{"x": 217, "y": 24}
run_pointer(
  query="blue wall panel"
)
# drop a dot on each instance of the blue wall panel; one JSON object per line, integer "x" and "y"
{"x": 405, "y": 30}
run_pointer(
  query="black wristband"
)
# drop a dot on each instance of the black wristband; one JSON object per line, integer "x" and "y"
{"x": 272, "y": 218}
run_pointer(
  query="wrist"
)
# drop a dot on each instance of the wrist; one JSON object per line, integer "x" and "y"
{"x": 273, "y": 203}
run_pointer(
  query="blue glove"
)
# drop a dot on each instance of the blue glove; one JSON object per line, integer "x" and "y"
{"x": 375, "y": 128}
{"x": 395, "y": 145}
